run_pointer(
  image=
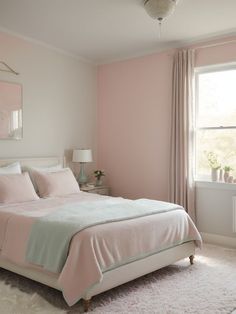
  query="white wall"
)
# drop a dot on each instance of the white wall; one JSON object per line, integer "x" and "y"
{"x": 215, "y": 212}
{"x": 215, "y": 208}
{"x": 59, "y": 99}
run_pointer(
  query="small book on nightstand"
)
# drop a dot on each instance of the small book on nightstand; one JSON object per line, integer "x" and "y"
{"x": 87, "y": 187}
{"x": 102, "y": 190}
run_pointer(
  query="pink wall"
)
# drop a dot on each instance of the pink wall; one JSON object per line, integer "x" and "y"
{"x": 134, "y": 105}
{"x": 218, "y": 54}
{"x": 134, "y": 120}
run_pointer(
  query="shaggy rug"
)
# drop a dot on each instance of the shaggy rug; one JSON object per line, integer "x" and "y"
{"x": 207, "y": 287}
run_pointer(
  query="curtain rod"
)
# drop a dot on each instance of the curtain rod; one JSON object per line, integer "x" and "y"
{"x": 216, "y": 44}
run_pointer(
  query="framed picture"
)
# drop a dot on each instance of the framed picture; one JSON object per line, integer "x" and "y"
{"x": 10, "y": 111}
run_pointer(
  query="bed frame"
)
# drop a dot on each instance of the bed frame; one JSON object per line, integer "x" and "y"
{"x": 111, "y": 278}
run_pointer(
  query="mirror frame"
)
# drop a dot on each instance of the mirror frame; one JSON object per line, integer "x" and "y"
{"x": 21, "y": 97}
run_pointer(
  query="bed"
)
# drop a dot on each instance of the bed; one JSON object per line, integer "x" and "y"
{"x": 108, "y": 269}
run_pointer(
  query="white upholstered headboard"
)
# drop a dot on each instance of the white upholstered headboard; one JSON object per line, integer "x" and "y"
{"x": 34, "y": 161}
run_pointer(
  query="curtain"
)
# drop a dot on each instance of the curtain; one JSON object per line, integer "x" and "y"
{"x": 181, "y": 182}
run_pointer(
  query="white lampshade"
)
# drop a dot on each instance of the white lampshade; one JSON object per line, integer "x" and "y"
{"x": 82, "y": 155}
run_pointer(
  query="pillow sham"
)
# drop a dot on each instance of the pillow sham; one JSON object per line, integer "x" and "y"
{"x": 16, "y": 188}
{"x": 41, "y": 169}
{"x": 13, "y": 168}
{"x": 58, "y": 183}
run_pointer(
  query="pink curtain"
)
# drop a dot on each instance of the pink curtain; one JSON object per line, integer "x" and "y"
{"x": 181, "y": 183}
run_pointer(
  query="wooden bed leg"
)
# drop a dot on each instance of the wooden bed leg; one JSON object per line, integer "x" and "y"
{"x": 86, "y": 304}
{"x": 191, "y": 258}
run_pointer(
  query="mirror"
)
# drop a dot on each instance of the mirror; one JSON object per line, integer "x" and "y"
{"x": 10, "y": 110}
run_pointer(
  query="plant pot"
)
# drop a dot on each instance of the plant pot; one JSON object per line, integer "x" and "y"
{"x": 214, "y": 175}
{"x": 226, "y": 176}
{"x": 98, "y": 182}
{"x": 221, "y": 177}
{"x": 230, "y": 179}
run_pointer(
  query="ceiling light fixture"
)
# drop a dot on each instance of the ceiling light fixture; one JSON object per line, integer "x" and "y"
{"x": 160, "y": 9}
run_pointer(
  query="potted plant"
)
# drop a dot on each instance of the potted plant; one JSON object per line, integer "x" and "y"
{"x": 227, "y": 170}
{"x": 214, "y": 165}
{"x": 98, "y": 175}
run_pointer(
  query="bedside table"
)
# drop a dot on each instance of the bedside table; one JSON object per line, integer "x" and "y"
{"x": 102, "y": 190}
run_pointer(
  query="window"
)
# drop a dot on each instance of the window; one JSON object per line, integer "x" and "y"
{"x": 215, "y": 118}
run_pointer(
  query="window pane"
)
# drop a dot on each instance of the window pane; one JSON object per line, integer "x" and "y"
{"x": 217, "y": 98}
{"x": 220, "y": 142}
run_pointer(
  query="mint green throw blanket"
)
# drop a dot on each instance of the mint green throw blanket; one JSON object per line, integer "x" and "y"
{"x": 50, "y": 236}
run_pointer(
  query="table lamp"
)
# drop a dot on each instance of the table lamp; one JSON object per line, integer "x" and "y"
{"x": 82, "y": 156}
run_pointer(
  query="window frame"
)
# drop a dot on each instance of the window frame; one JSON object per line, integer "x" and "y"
{"x": 197, "y": 72}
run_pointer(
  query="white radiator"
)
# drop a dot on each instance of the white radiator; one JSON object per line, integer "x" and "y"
{"x": 234, "y": 214}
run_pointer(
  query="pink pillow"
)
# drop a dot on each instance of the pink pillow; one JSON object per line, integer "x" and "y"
{"x": 58, "y": 183}
{"x": 16, "y": 188}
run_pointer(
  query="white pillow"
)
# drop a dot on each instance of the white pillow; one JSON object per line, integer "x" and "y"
{"x": 13, "y": 168}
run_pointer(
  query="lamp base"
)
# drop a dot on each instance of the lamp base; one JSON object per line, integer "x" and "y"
{"x": 82, "y": 178}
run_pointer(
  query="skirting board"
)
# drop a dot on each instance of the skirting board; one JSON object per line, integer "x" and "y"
{"x": 219, "y": 240}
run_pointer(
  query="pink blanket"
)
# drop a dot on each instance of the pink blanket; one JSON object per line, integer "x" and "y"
{"x": 95, "y": 249}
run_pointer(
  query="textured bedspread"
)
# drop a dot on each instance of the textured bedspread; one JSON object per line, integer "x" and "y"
{"x": 98, "y": 248}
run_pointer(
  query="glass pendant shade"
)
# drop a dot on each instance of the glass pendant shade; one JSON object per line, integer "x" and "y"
{"x": 159, "y": 9}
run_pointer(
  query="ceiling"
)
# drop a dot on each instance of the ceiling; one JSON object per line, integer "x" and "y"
{"x": 107, "y": 30}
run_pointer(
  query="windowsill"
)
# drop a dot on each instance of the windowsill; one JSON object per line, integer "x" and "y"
{"x": 215, "y": 185}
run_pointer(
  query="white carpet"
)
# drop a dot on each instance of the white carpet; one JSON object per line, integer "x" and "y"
{"x": 207, "y": 287}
